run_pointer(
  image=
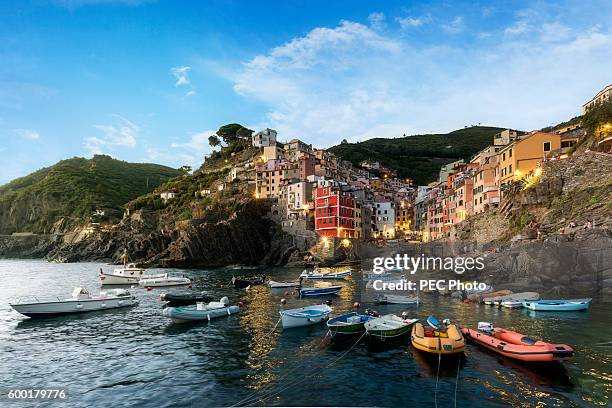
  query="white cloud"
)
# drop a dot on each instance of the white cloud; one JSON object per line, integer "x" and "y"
{"x": 377, "y": 20}
{"x": 192, "y": 151}
{"x": 411, "y": 22}
{"x": 181, "y": 74}
{"x": 456, "y": 25}
{"x": 190, "y": 93}
{"x": 123, "y": 133}
{"x": 353, "y": 82}
{"x": 27, "y": 134}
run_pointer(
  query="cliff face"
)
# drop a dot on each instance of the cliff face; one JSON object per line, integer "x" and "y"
{"x": 246, "y": 238}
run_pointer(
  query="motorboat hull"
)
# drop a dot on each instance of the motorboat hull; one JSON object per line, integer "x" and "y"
{"x": 397, "y": 300}
{"x": 305, "y": 316}
{"x": 70, "y": 306}
{"x": 518, "y": 346}
{"x": 161, "y": 282}
{"x": 192, "y": 314}
{"x": 184, "y": 299}
{"x": 276, "y": 285}
{"x": 241, "y": 283}
{"x": 388, "y": 326}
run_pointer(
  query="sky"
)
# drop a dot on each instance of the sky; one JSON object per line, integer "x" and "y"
{"x": 149, "y": 81}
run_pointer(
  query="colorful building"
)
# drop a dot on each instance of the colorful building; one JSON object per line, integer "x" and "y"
{"x": 334, "y": 212}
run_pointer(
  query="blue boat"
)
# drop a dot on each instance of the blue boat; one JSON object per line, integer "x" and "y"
{"x": 329, "y": 290}
{"x": 567, "y": 305}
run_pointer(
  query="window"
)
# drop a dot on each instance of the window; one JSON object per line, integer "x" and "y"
{"x": 510, "y": 152}
{"x": 547, "y": 146}
{"x": 504, "y": 156}
{"x": 510, "y": 169}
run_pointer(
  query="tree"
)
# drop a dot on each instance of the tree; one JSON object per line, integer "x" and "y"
{"x": 344, "y": 141}
{"x": 232, "y": 132}
{"x": 185, "y": 170}
{"x": 598, "y": 119}
{"x": 213, "y": 140}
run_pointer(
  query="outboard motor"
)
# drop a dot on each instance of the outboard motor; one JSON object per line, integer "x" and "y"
{"x": 485, "y": 327}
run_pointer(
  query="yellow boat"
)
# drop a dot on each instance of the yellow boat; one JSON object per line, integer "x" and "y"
{"x": 436, "y": 338}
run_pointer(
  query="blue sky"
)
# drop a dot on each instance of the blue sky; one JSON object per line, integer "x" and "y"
{"x": 149, "y": 81}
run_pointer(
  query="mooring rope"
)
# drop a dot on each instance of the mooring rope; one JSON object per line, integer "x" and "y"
{"x": 457, "y": 379}
{"x": 437, "y": 376}
{"x": 313, "y": 372}
{"x": 253, "y": 396}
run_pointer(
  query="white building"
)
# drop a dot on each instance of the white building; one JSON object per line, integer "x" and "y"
{"x": 299, "y": 196}
{"x": 601, "y": 96}
{"x": 167, "y": 195}
{"x": 384, "y": 219}
{"x": 266, "y": 137}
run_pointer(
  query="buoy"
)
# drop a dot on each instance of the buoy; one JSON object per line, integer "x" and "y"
{"x": 221, "y": 286}
{"x": 466, "y": 301}
{"x": 189, "y": 286}
{"x": 240, "y": 304}
{"x": 283, "y": 301}
{"x": 149, "y": 288}
{"x": 356, "y": 305}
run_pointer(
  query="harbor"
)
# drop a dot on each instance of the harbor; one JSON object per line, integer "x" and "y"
{"x": 134, "y": 355}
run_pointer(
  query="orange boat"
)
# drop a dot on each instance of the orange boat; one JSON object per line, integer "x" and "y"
{"x": 434, "y": 337}
{"x": 518, "y": 346}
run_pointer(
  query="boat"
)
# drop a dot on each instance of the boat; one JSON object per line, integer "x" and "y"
{"x": 384, "y": 299}
{"x": 243, "y": 281}
{"x": 329, "y": 290}
{"x": 130, "y": 274}
{"x": 516, "y": 345}
{"x": 184, "y": 298}
{"x": 164, "y": 280}
{"x": 568, "y": 305}
{"x": 317, "y": 274}
{"x": 511, "y": 300}
{"x": 201, "y": 311}
{"x": 81, "y": 301}
{"x": 292, "y": 284}
{"x": 435, "y": 337}
{"x": 304, "y": 316}
{"x": 347, "y": 324}
{"x": 388, "y": 326}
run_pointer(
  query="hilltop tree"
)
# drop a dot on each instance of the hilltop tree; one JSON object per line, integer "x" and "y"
{"x": 185, "y": 170}
{"x": 214, "y": 141}
{"x": 233, "y": 132}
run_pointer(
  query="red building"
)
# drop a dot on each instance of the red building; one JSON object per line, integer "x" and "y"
{"x": 334, "y": 213}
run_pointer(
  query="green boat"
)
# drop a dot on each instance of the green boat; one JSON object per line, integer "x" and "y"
{"x": 388, "y": 326}
{"x": 350, "y": 323}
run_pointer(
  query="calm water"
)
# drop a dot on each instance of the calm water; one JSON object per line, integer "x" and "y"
{"x": 136, "y": 357}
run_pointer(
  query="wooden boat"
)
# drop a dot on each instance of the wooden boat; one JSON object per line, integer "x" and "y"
{"x": 80, "y": 302}
{"x": 184, "y": 298}
{"x": 347, "y": 324}
{"x": 200, "y": 311}
{"x": 244, "y": 281}
{"x": 388, "y": 326}
{"x": 437, "y": 338}
{"x": 128, "y": 275}
{"x": 568, "y": 305}
{"x": 319, "y": 274}
{"x": 291, "y": 284}
{"x": 164, "y": 280}
{"x": 328, "y": 290}
{"x": 518, "y": 346}
{"x": 304, "y": 316}
{"x": 397, "y": 300}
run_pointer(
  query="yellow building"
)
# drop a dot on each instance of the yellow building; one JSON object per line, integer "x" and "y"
{"x": 522, "y": 156}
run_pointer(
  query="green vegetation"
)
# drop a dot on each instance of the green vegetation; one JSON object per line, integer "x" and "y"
{"x": 598, "y": 120}
{"x": 74, "y": 189}
{"x": 421, "y": 156}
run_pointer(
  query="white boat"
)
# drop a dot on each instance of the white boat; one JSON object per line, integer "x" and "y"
{"x": 274, "y": 284}
{"x": 164, "y": 280}
{"x": 304, "y": 316}
{"x": 511, "y": 299}
{"x": 81, "y": 301}
{"x": 398, "y": 299}
{"x": 128, "y": 275}
{"x": 200, "y": 311}
{"x": 388, "y": 326}
{"x": 318, "y": 274}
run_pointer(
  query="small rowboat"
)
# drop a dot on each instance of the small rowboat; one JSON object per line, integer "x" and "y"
{"x": 184, "y": 298}
{"x": 518, "y": 346}
{"x": 511, "y": 299}
{"x": 304, "y": 316}
{"x": 243, "y": 282}
{"x": 437, "y": 338}
{"x": 316, "y": 274}
{"x": 569, "y": 305}
{"x": 165, "y": 280}
{"x": 388, "y": 326}
{"x": 200, "y": 311}
{"x": 274, "y": 284}
{"x": 329, "y": 290}
{"x": 398, "y": 300}
{"x": 350, "y": 323}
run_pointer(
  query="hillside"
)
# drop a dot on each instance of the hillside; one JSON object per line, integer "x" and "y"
{"x": 420, "y": 156}
{"x": 72, "y": 189}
